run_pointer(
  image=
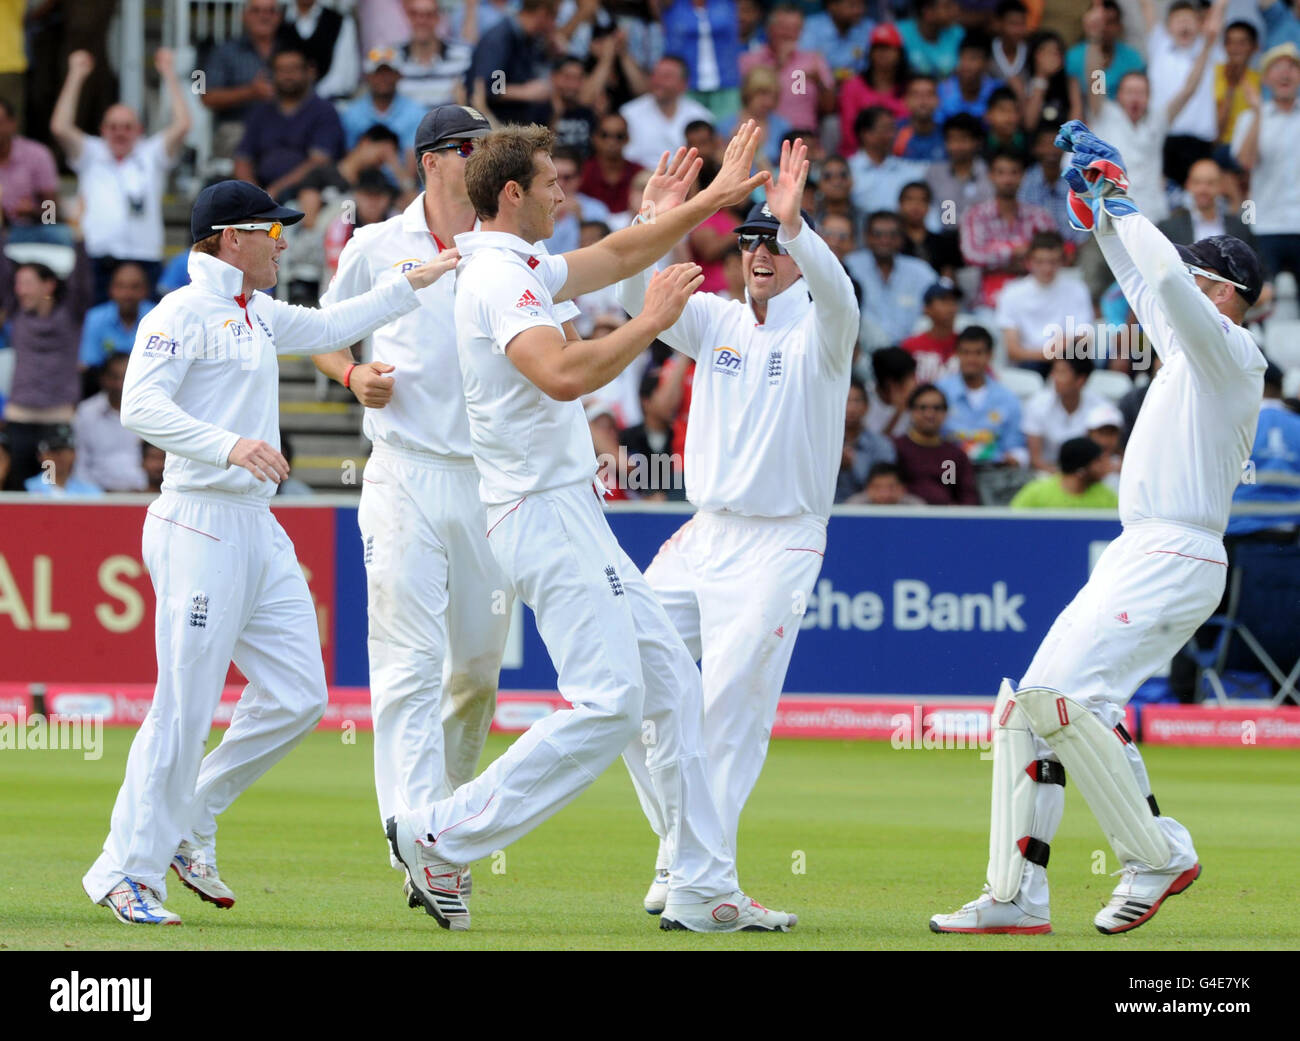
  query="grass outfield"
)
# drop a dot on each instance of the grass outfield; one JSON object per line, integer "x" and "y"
{"x": 885, "y": 837}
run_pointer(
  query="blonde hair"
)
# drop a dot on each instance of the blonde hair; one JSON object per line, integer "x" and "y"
{"x": 760, "y": 77}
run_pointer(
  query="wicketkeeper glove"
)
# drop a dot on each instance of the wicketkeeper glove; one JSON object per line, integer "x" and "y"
{"x": 1096, "y": 176}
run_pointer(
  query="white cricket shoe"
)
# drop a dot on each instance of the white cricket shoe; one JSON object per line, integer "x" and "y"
{"x": 466, "y": 890}
{"x": 728, "y": 914}
{"x": 657, "y": 895}
{"x": 134, "y": 903}
{"x": 198, "y": 872}
{"x": 988, "y": 916}
{"x": 434, "y": 882}
{"x": 1139, "y": 895}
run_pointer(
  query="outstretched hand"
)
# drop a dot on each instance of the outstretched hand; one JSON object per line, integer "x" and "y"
{"x": 786, "y": 193}
{"x": 734, "y": 185}
{"x": 671, "y": 182}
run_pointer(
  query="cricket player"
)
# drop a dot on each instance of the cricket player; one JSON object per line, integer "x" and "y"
{"x": 1151, "y": 588}
{"x": 439, "y": 607}
{"x": 203, "y": 384}
{"x": 763, "y": 445}
{"x": 620, "y": 663}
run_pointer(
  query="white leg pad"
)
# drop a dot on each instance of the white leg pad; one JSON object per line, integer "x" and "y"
{"x": 1095, "y": 759}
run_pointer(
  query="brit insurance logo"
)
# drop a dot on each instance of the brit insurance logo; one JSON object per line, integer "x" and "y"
{"x": 726, "y": 360}
{"x": 406, "y": 264}
{"x": 160, "y": 346}
{"x": 237, "y": 329}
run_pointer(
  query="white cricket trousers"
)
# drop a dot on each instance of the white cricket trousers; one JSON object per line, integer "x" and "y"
{"x": 439, "y": 614}
{"x": 626, "y": 673}
{"x": 735, "y": 589}
{"x": 228, "y": 587}
{"x": 1151, "y": 590}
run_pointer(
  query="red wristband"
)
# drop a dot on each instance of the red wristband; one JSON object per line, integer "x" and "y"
{"x": 347, "y": 375}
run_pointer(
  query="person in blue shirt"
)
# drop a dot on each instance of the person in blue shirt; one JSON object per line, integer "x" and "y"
{"x": 705, "y": 35}
{"x": 931, "y": 39}
{"x": 1280, "y": 23}
{"x": 57, "y": 454}
{"x": 893, "y": 286}
{"x": 110, "y": 327}
{"x": 969, "y": 87}
{"x": 1273, "y": 473}
{"x": 983, "y": 415}
{"x": 384, "y": 105}
{"x": 1103, "y": 27}
{"x": 842, "y": 33}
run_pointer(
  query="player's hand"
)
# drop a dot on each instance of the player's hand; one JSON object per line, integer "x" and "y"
{"x": 259, "y": 459}
{"x": 734, "y": 185}
{"x": 371, "y": 384}
{"x": 81, "y": 63}
{"x": 666, "y": 296}
{"x": 428, "y": 273}
{"x": 785, "y": 195}
{"x": 671, "y": 182}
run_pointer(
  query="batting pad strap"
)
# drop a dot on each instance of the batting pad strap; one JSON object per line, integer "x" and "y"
{"x": 1046, "y": 771}
{"x": 1155, "y": 808}
{"x": 1036, "y": 851}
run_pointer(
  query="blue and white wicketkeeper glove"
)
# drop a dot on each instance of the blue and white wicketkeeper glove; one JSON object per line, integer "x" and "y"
{"x": 1096, "y": 177}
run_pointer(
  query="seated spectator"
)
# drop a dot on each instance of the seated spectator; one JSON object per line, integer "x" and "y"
{"x": 704, "y": 34}
{"x": 604, "y": 438}
{"x": 29, "y": 182}
{"x": 1078, "y": 485}
{"x": 56, "y": 459}
{"x": 288, "y": 137}
{"x": 44, "y": 332}
{"x": 1275, "y": 460}
{"x": 607, "y": 175}
{"x": 328, "y": 40}
{"x": 920, "y": 137}
{"x": 1181, "y": 55}
{"x": 941, "y": 251}
{"x": 510, "y": 74}
{"x": 1235, "y": 82}
{"x": 291, "y": 487}
{"x": 238, "y": 75}
{"x": 1059, "y": 411}
{"x": 1043, "y": 185}
{"x": 892, "y": 285}
{"x": 932, "y": 37}
{"x": 711, "y": 240}
{"x": 576, "y": 206}
{"x": 1106, "y": 427}
{"x": 1103, "y": 32}
{"x": 372, "y": 203}
{"x": 842, "y": 32}
{"x": 433, "y": 65}
{"x": 835, "y": 193}
{"x": 932, "y": 467}
{"x": 758, "y": 96}
{"x": 4, "y": 455}
{"x": 152, "y": 460}
{"x": 983, "y": 415}
{"x": 807, "y": 86}
{"x": 1003, "y": 119}
{"x": 733, "y": 270}
{"x": 1051, "y": 96}
{"x": 657, "y": 119}
{"x": 1044, "y": 311}
{"x": 381, "y": 103}
{"x": 121, "y": 174}
{"x": 934, "y": 348}
{"x": 572, "y": 119}
{"x": 995, "y": 235}
{"x": 749, "y": 25}
{"x": 894, "y": 373}
{"x": 109, "y": 328}
{"x": 703, "y": 137}
{"x": 863, "y": 447}
{"x": 884, "y": 487}
{"x": 836, "y": 231}
{"x": 1205, "y": 213}
{"x": 963, "y": 180}
{"x": 1009, "y": 53}
{"x": 882, "y": 83}
{"x": 878, "y": 174}
{"x": 653, "y": 470}
{"x": 968, "y": 88}
{"x": 109, "y": 456}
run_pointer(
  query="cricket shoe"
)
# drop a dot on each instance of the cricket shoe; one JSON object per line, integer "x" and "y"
{"x": 657, "y": 895}
{"x": 466, "y": 890}
{"x": 988, "y": 916}
{"x": 134, "y": 903}
{"x": 1139, "y": 895}
{"x": 736, "y": 913}
{"x": 198, "y": 872}
{"x": 435, "y": 883}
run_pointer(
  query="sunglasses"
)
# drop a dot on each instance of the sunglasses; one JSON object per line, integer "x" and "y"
{"x": 1192, "y": 269}
{"x": 274, "y": 229}
{"x": 464, "y": 149}
{"x": 749, "y": 243}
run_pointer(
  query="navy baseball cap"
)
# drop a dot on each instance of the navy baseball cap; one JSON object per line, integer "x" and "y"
{"x": 760, "y": 221}
{"x": 449, "y": 123}
{"x": 1229, "y": 258}
{"x": 945, "y": 287}
{"x": 235, "y": 202}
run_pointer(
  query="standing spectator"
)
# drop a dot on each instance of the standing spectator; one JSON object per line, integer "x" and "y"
{"x": 109, "y": 328}
{"x": 893, "y": 285}
{"x": 882, "y": 83}
{"x": 709, "y": 242}
{"x": 878, "y": 174}
{"x": 239, "y": 75}
{"x": 940, "y": 250}
{"x": 28, "y": 179}
{"x": 44, "y": 331}
{"x": 1205, "y": 214}
{"x": 1264, "y": 145}
{"x": 807, "y": 86}
{"x": 863, "y": 447}
{"x": 572, "y": 119}
{"x": 120, "y": 174}
{"x": 109, "y": 456}
{"x": 432, "y": 65}
{"x": 1059, "y": 411}
{"x": 842, "y": 32}
{"x": 932, "y": 37}
{"x": 1233, "y": 78}
{"x": 962, "y": 181}
{"x": 1103, "y": 32}
{"x": 384, "y": 104}
{"x": 894, "y": 373}
{"x": 56, "y": 463}
{"x": 704, "y": 34}
{"x": 920, "y": 136}
{"x": 328, "y": 40}
{"x": 288, "y": 137}
{"x": 749, "y": 25}
{"x": 1043, "y": 185}
{"x": 931, "y": 466}
{"x": 933, "y": 348}
{"x": 1281, "y": 25}
{"x": 995, "y": 235}
{"x": 1010, "y": 54}
{"x": 758, "y": 96}
{"x": 1051, "y": 95}
{"x": 607, "y": 175}
{"x": 1078, "y": 485}
{"x": 1186, "y": 40}
{"x": 1137, "y": 129}
{"x": 1042, "y": 313}
{"x": 657, "y": 120}
{"x": 510, "y": 72}
{"x": 969, "y": 86}
{"x": 983, "y": 415}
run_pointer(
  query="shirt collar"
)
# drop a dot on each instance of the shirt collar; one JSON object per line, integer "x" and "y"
{"x": 787, "y": 306}
{"x": 470, "y": 241}
{"x": 413, "y": 218}
{"x": 216, "y": 276}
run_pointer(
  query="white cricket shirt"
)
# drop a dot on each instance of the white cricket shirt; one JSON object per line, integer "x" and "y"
{"x": 203, "y": 371}
{"x": 1197, "y": 423}
{"x": 765, "y": 433}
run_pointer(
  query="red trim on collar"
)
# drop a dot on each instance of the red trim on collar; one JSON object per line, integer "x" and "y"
{"x": 437, "y": 242}
{"x": 242, "y": 301}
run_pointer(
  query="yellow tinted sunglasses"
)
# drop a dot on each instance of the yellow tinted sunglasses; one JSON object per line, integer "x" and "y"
{"x": 273, "y": 228}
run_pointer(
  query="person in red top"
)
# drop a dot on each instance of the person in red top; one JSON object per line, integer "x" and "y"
{"x": 607, "y": 176}
{"x": 937, "y": 470}
{"x": 672, "y": 397}
{"x": 934, "y": 348}
{"x": 882, "y": 83}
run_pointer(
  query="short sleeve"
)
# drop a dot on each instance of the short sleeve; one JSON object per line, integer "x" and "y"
{"x": 509, "y": 300}
{"x": 154, "y": 153}
{"x": 551, "y": 272}
{"x": 93, "y": 151}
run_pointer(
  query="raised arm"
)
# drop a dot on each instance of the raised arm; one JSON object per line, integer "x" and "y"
{"x": 63, "y": 121}
{"x": 174, "y": 136}
{"x": 1210, "y": 30}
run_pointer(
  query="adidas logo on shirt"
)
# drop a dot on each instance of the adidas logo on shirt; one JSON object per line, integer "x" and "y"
{"x": 528, "y": 300}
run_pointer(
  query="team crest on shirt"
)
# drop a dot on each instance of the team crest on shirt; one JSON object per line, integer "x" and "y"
{"x": 727, "y": 361}
{"x": 774, "y": 367}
